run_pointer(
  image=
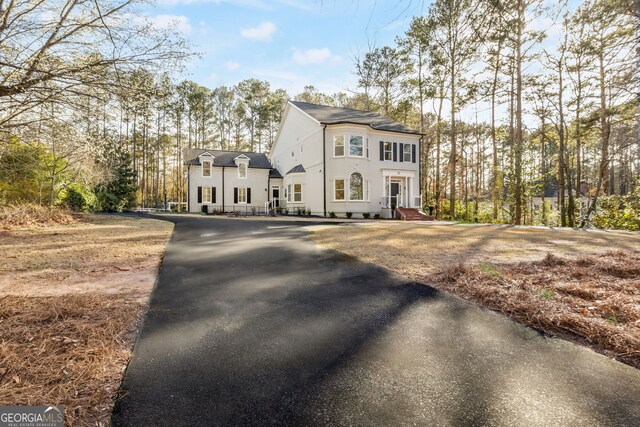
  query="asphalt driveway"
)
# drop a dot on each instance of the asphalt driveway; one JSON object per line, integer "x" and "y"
{"x": 251, "y": 323}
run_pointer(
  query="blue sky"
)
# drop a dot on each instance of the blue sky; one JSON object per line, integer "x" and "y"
{"x": 290, "y": 43}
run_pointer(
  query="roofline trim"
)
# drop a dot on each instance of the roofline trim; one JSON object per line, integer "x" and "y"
{"x": 347, "y": 122}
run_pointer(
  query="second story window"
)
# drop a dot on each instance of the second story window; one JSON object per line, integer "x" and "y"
{"x": 406, "y": 153}
{"x": 388, "y": 151}
{"x": 338, "y": 145}
{"x": 242, "y": 170}
{"x": 356, "y": 146}
{"x": 206, "y": 168}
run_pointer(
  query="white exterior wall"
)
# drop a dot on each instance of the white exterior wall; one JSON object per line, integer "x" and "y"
{"x": 372, "y": 169}
{"x": 257, "y": 180}
{"x": 299, "y": 141}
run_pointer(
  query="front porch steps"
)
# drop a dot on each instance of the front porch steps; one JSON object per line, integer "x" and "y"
{"x": 411, "y": 214}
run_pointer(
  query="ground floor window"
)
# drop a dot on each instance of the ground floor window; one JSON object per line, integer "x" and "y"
{"x": 339, "y": 189}
{"x": 297, "y": 192}
{"x": 206, "y": 194}
{"x": 356, "y": 186}
{"x": 242, "y": 195}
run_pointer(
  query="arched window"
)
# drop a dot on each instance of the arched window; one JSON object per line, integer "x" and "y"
{"x": 356, "y": 186}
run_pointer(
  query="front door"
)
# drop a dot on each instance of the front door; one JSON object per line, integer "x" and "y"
{"x": 275, "y": 196}
{"x": 396, "y": 194}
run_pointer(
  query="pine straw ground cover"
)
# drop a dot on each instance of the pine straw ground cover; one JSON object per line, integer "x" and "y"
{"x": 66, "y": 350}
{"x": 590, "y": 300}
{"x": 71, "y": 298}
{"x": 32, "y": 215}
{"x": 588, "y": 291}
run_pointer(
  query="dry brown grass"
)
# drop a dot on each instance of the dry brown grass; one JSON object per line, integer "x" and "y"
{"x": 72, "y": 299}
{"x": 587, "y": 291}
{"x": 32, "y": 215}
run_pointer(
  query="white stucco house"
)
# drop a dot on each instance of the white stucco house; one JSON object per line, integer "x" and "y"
{"x": 324, "y": 159}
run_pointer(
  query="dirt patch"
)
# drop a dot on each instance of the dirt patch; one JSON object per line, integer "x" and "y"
{"x": 103, "y": 254}
{"x": 588, "y": 291}
{"x": 73, "y": 296}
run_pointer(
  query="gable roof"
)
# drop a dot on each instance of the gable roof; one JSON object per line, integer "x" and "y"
{"x": 226, "y": 158}
{"x": 334, "y": 115}
{"x": 296, "y": 169}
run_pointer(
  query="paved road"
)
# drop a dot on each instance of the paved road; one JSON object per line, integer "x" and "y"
{"x": 251, "y": 323}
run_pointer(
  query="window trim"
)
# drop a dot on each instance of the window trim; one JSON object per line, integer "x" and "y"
{"x": 362, "y": 146}
{"x": 344, "y": 190}
{"x": 343, "y": 146}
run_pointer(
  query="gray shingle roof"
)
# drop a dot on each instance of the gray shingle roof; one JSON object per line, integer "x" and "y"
{"x": 334, "y": 115}
{"x": 274, "y": 173}
{"x": 296, "y": 169}
{"x": 225, "y": 158}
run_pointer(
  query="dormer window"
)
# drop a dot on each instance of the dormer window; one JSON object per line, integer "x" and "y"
{"x": 242, "y": 162}
{"x": 206, "y": 168}
{"x": 206, "y": 163}
{"x": 242, "y": 170}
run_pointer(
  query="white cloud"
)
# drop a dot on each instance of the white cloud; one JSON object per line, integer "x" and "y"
{"x": 163, "y": 22}
{"x": 231, "y": 65}
{"x": 313, "y": 56}
{"x": 262, "y": 32}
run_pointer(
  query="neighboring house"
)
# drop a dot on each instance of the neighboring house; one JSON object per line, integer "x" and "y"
{"x": 228, "y": 181}
{"x": 324, "y": 159}
{"x": 342, "y": 160}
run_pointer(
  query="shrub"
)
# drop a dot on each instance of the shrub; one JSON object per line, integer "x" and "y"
{"x": 286, "y": 211}
{"x": 308, "y": 212}
{"x": 376, "y": 216}
{"x": 78, "y": 198}
{"x": 366, "y": 215}
{"x": 332, "y": 214}
{"x": 349, "y": 214}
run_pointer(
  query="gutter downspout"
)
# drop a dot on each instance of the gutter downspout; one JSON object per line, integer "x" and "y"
{"x": 223, "y": 189}
{"x": 324, "y": 167}
{"x": 188, "y": 189}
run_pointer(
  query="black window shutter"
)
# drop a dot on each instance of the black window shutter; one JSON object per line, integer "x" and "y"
{"x": 381, "y": 150}
{"x": 235, "y": 194}
{"x": 413, "y": 153}
{"x": 199, "y": 194}
{"x": 213, "y": 194}
{"x": 395, "y": 151}
{"x": 401, "y": 152}
{"x": 248, "y": 195}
